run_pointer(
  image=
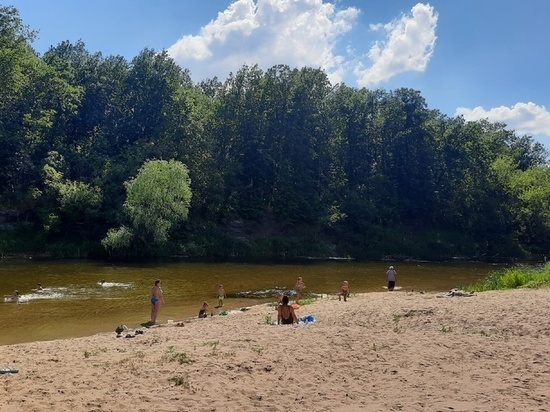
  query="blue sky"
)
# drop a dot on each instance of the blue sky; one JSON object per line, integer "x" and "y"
{"x": 475, "y": 58}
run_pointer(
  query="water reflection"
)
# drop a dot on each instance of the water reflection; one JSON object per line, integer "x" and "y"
{"x": 81, "y": 298}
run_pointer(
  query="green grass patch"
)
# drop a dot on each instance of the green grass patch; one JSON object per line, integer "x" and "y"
{"x": 181, "y": 357}
{"x": 180, "y": 380}
{"x": 88, "y": 354}
{"x": 513, "y": 278}
{"x": 307, "y": 301}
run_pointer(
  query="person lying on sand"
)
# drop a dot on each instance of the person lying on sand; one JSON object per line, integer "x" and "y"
{"x": 456, "y": 292}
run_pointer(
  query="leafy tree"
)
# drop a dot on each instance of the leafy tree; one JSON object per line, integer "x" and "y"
{"x": 158, "y": 197}
{"x": 70, "y": 206}
{"x": 17, "y": 63}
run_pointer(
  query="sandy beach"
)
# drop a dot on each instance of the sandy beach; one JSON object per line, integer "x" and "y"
{"x": 386, "y": 351}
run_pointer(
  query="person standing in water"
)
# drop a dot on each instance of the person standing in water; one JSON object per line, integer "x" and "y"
{"x": 157, "y": 299}
{"x": 299, "y": 287}
{"x": 221, "y": 296}
{"x": 391, "y": 277}
{"x": 344, "y": 291}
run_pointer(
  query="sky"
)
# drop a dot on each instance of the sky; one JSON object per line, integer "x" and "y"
{"x": 480, "y": 59}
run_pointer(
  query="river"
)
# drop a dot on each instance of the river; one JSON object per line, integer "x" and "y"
{"x": 75, "y": 303}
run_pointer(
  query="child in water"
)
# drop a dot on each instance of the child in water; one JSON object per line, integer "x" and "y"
{"x": 344, "y": 292}
{"x": 221, "y": 296}
{"x": 299, "y": 287}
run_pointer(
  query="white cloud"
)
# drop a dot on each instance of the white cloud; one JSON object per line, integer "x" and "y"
{"x": 409, "y": 45}
{"x": 267, "y": 32}
{"x": 524, "y": 118}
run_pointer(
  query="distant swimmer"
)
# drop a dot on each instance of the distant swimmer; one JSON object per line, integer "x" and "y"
{"x": 14, "y": 297}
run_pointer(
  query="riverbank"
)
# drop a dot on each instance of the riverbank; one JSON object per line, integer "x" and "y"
{"x": 378, "y": 351}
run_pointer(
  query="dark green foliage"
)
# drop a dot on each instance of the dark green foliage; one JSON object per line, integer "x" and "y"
{"x": 282, "y": 163}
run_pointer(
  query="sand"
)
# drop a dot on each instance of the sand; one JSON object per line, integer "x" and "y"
{"x": 387, "y": 351}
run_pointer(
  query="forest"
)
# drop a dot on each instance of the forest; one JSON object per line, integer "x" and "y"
{"x": 107, "y": 158}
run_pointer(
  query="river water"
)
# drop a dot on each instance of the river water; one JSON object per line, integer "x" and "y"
{"x": 75, "y": 303}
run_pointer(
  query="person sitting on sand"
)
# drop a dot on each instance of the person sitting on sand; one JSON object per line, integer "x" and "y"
{"x": 221, "y": 296}
{"x": 299, "y": 287}
{"x": 157, "y": 298}
{"x": 285, "y": 313}
{"x": 203, "y": 313}
{"x": 344, "y": 292}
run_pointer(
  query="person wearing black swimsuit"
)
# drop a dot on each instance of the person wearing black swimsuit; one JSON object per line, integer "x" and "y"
{"x": 286, "y": 315}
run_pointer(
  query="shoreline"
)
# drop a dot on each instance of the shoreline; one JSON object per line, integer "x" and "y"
{"x": 378, "y": 351}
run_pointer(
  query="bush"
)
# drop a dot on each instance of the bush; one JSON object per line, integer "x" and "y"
{"x": 512, "y": 278}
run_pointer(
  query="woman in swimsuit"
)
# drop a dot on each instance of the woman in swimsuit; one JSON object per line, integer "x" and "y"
{"x": 157, "y": 298}
{"x": 286, "y": 315}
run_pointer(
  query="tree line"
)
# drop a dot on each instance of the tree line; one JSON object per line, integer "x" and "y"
{"x": 104, "y": 156}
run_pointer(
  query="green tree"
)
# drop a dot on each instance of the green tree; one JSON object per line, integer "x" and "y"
{"x": 67, "y": 206}
{"x": 158, "y": 197}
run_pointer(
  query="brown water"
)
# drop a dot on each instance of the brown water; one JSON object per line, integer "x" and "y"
{"x": 75, "y": 304}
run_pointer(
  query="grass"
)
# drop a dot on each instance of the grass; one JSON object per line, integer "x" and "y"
{"x": 396, "y": 319}
{"x": 380, "y": 346}
{"x": 446, "y": 329}
{"x": 307, "y": 301}
{"x": 180, "y": 380}
{"x": 88, "y": 354}
{"x": 214, "y": 345}
{"x": 180, "y": 357}
{"x": 512, "y": 278}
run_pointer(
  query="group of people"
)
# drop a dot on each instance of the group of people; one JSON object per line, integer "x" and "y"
{"x": 203, "y": 312}
{"x": 157, "y": 299}
{"x": 285, "y": 311}
{"x": 14, "y": 297}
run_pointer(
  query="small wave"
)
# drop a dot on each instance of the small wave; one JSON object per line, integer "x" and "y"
{"x": 265, "y": 293}
{"x": 114, "y": 284}
{"x": 25, "y": 298}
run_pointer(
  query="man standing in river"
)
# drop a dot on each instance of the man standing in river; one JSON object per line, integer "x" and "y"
{"x": 157, "y": 298}
{"x": 391, "y": 276}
